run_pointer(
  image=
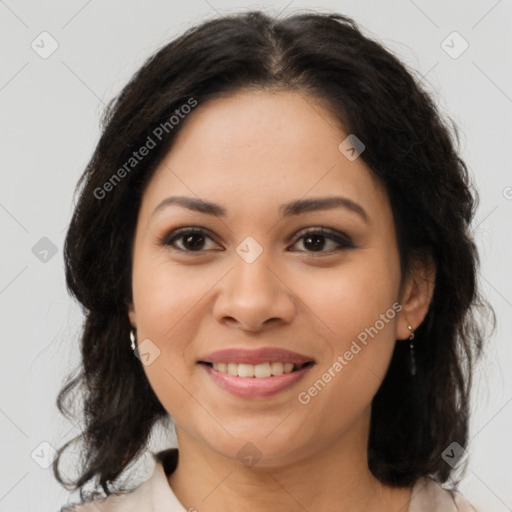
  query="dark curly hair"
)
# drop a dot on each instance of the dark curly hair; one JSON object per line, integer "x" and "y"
{"x": 409, "y": 148}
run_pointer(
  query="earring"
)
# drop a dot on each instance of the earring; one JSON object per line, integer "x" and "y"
{"x": 412, "y": 361}
{"x": 133, "y": 339}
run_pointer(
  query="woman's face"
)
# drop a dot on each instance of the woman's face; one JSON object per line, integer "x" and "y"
{"x": 255, "y": 277}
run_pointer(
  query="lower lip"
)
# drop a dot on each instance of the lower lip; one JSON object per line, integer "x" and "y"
{"x": 252, "y": 387}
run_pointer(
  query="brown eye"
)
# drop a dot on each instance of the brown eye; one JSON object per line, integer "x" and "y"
{"x": 315, "y": 240}
{"x": 194, "y": 239}
{"x": 191, "y": 239}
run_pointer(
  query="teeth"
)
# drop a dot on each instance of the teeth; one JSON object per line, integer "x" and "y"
{"x": 287, "y": 367}
{"x": 246, "y": 370}
{"x": 276, "y": 368}
{"x": 259, "y": 371}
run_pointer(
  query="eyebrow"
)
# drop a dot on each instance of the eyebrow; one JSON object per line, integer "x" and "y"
{"x": 287, "y": 209}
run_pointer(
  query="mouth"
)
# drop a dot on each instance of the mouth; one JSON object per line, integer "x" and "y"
{"x": 256, "y": 371}
{"x": 255, "y": 381}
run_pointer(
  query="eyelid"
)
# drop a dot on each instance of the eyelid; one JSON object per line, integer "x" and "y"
{"x": 174, "y": 234}
{"x": 331, "y": 234}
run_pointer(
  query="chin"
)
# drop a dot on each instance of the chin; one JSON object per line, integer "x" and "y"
{"x": 260, "y": 451}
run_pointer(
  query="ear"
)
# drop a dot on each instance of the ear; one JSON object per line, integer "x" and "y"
{"x": 132, "y": 316}
{"x": 416, "y": 296}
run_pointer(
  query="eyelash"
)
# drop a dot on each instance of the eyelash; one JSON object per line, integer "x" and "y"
{"x": 334, "y": 236}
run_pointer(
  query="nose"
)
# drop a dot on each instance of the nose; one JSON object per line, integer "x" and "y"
{"x": 253, "y": 296}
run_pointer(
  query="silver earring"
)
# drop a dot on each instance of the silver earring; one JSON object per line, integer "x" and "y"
{"x": 132, "y": 339}
{"x": 412, "y": 361}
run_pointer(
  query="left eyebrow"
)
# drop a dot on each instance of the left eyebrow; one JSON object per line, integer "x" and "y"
{"x": 323, "y": 203}
{"x": 287, "y": 209}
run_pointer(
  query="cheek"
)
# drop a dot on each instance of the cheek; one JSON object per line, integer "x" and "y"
{"x": 167, "y": 300}
{"x": 358, "y": 305}
{"x": 361, "y": 316}
{"x": 353, "y": 297}
{"x": 170, "y": 300}
{"x": 166, "y": 294}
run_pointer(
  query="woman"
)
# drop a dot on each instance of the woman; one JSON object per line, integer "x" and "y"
{"x": 272, "y": 248}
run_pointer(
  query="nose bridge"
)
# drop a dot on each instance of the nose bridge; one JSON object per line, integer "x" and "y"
{"x": 252, "y": 272}
{"x": 253, "y": 293}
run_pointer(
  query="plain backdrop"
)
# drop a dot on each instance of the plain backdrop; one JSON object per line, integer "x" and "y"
{"x": 50, "y": 109}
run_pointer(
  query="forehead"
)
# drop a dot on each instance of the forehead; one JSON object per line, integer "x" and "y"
{"x": 255, "y": 149}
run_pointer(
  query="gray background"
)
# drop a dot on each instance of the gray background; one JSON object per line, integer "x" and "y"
{"x": 50, "y": 125}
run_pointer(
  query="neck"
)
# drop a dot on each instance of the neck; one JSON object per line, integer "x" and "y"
{"x": 336, "y": 477}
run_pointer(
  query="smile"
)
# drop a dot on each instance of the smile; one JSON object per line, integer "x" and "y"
{"x": 255, "y": 381}
{"x": 258, "y": 371}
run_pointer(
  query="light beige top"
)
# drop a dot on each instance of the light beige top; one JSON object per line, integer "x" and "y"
{"x": 156, "y": 495}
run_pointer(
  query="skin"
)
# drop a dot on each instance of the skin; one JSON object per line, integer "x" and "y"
{"x": 250, "y": 153}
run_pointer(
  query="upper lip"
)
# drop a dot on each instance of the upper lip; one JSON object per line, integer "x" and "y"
{"x": 255, "y": 356}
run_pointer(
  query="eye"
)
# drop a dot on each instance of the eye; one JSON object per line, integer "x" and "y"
{"x": 315, "y": 240}
{"x": 193, "y": 239}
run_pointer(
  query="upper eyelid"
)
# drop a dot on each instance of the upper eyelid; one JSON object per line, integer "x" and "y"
{"x": 328, "y": 232}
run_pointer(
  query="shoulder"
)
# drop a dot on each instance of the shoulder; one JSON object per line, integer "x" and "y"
{"x": 429, "y": 495}
{"x": 153, "y": 491}
{"x": 128, "y": 502}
